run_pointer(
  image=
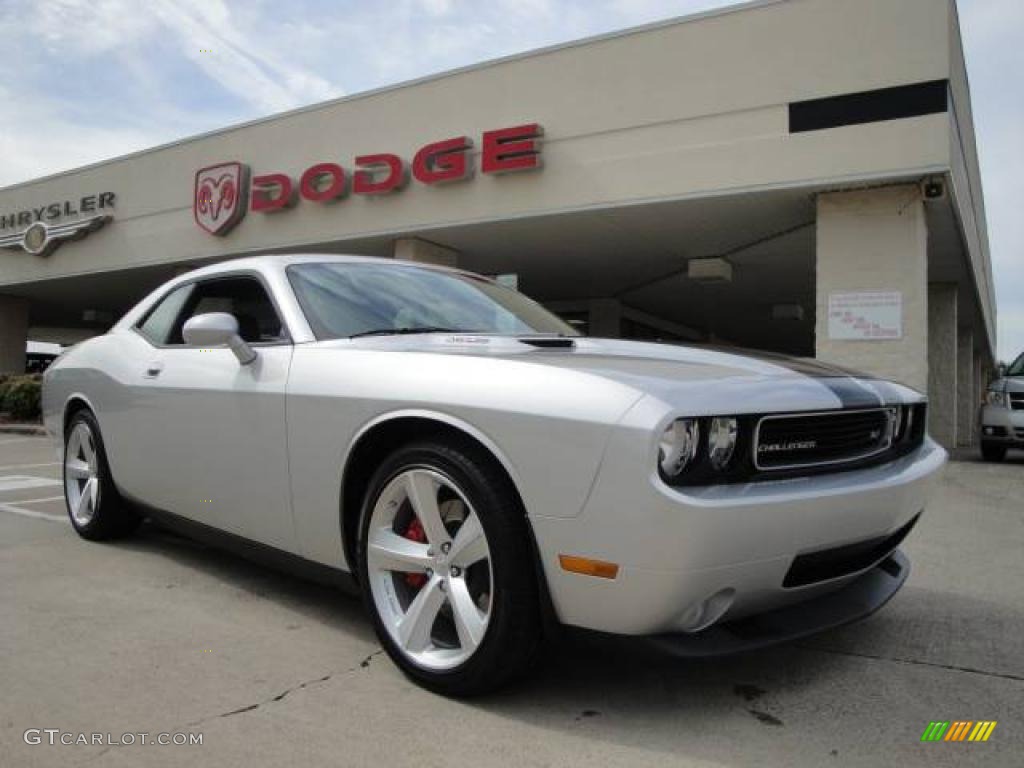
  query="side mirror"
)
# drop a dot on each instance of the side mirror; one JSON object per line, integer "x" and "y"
{"x": 218, "y": 329}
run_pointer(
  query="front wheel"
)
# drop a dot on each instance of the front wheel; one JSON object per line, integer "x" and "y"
{"x": 447, "y": 569}
{"x": 993, "y": 451}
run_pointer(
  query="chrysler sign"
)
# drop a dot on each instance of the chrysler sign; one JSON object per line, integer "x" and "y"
{"x": 39, "y": 231}
{"x": 223, "y": 192}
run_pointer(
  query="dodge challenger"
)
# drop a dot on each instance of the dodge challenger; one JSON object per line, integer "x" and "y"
{"x": 481, "y": 472}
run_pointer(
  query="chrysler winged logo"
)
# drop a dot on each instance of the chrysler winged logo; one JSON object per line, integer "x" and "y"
{"x": 220, "y": 194}
{"x": 42, "y": 239}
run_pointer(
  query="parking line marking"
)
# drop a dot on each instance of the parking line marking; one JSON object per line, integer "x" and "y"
{"x": 21, "y": 440}
{"x": 40, "y": 501}
{"x": 32, "y": 513}
{"x": 30, "y": 466}
{"x": 23, "y": 482}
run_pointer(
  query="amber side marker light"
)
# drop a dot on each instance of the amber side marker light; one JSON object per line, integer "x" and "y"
{"x": 588, "y": 567}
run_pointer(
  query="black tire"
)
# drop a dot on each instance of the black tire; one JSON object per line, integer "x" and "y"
{"x": 993, "y": 451}
{"x": 112, "y": 518}
{"x": 512, "y": 641}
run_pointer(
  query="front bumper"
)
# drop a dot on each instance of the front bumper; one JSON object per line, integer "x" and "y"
{"x": 857, "y": 600}
{"x": 1002, "y": 425}
{"x": 725, "y": 549}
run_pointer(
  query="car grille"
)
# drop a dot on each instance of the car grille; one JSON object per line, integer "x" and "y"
{"x": 826, "y": 564}
{"x": 1017, "y": 401}
{"x": 792, "y": 441}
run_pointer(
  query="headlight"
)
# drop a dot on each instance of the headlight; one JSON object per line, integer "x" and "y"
{"x": 678, "y": 446}
{"x": 721, "y": 441}
{"x": 896, "y": 422}
{"x": 995, "y": 397}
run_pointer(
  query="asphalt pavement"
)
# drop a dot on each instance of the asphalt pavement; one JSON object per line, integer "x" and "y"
{"x": 157, "y": 634}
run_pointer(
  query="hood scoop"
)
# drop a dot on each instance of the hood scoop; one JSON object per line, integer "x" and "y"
{"x": 548, "y": 342}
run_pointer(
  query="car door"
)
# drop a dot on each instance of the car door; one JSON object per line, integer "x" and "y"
{"x": 212, "y": 439}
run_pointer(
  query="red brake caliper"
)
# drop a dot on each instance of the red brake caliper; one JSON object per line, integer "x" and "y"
{"x": 415, "y": 533}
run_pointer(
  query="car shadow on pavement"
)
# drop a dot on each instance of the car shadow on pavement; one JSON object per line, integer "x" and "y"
{"x": 328, "y": 605}
{"x": 624, "y": 693}
{"x": 879, "y": 670}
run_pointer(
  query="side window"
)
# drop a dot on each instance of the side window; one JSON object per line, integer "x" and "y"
{"x": 243, "y": 297}
{"x": 158, "y": 323}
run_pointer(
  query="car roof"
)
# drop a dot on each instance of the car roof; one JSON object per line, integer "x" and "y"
{"x": 281, "y": 260}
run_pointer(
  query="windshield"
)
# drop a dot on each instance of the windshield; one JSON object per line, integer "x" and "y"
{"x": 1016, "y": 367}
{"x": 341, "y": 300}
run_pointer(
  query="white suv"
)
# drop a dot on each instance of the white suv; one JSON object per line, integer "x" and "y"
{"x": 1002, "y": 418}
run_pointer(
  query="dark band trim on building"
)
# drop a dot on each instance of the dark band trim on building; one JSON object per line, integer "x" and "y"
{"x": 869, "y": 106}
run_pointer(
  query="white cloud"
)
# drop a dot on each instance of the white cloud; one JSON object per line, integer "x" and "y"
{"x": 254, "y": 73}
{"x": 35, "y": 142}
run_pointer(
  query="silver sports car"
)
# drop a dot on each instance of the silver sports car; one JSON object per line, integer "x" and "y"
{"x": 484, "y": 474}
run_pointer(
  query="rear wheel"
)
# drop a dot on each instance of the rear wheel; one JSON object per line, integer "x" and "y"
{"x": 96, "y": 509}
{"x": 993, "y": 451}
{"x": 447, "y": 570}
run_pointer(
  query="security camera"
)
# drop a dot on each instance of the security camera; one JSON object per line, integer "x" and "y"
{"x": 933, "y": 189}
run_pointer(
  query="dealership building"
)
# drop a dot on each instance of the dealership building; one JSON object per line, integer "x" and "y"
{"x": 797, "y": 176}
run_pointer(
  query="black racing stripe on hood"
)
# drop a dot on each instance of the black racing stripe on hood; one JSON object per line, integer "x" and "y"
{"x": 806, "y": 366}
{"x": 854, "y": 393}
{"x": 854, "y": 389}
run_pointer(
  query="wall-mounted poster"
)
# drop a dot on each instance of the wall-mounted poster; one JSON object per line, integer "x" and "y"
{"x": 865, "y": 316}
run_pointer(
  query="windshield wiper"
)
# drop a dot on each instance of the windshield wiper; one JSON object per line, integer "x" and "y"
{"x": 407, "y": 331}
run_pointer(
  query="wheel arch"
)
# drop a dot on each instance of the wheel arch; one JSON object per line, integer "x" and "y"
{"x": 376, "y": 439}
{"x": 74, "y": 403}
{"x": 379, "y": 437}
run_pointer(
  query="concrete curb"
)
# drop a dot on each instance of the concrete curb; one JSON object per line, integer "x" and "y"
{"x": 22, "y": 429}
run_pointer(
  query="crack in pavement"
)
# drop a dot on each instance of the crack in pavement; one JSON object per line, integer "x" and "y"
{"x": 252, "y": 707}
{"x": 916, "y": 662}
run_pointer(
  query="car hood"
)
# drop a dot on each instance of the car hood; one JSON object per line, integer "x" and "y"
{"x": 669, "y": 370}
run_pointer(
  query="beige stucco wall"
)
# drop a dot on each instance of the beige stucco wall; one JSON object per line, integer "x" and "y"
{"x": 876, "y": 240}
{"x": 967, "y": 399}
{"x": 677, "y": 110}
{"x": 942, "y": 357}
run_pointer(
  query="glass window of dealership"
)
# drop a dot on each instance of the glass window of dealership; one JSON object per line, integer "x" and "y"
{"x": 680, "y": 181}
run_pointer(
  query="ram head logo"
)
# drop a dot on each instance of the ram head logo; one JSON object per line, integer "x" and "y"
{"x": 219, "y": 198}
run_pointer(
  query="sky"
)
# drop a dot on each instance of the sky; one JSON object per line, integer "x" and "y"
{"x": 86, "y": 80}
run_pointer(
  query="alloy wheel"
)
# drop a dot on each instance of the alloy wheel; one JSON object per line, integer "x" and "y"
{"x": 81, "y": 474}
{"x": 429, "y": 567}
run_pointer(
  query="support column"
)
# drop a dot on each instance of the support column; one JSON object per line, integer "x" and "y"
{"x": 942, "y": 363}
{"x": 966, "y": 400}
{"x": 605, "y": 318}
{"x": 981, "y": 383}
{"x": 13, "y": 333}
{"x": 424, "y": 251}
{"x": 875, "y": 240}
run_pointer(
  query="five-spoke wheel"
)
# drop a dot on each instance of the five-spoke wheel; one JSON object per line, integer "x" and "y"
{"x": 430, "y": 568}
{"x": 94, "y": 505}
{"x": 81, "y": 474}
{"x": 447, "y": 569}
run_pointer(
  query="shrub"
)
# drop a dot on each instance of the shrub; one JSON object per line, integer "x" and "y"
{"x": 21, "y": 397}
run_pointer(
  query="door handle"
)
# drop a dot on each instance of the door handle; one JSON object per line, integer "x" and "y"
{"x": 153, "y": 369}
